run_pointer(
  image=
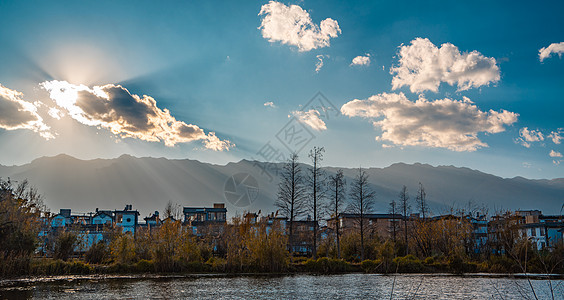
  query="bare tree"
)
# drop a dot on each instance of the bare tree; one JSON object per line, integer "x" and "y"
{"x": 361, "y": 202}
{"x": 422, "y": 201}
{"x": 393, "y": 211}
{"x": 291, "y": 193}
{"x": 338, "y": 189}
{"x": 172, "y": 210}
{"x": 404, "y": 208}
{"x": 316, "y": 183}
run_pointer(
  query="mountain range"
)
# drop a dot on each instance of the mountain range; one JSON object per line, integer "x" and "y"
{"x": 150, "y": 183}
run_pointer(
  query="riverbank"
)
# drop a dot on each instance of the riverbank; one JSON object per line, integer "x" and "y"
{"x": 42, "y": 267}
{"x": 18, "y": 281}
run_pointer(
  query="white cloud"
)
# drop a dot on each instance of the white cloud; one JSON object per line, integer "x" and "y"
{"x": 526, "y": 136}
{"x": 55, "y": 113}
{"x": 423, "y": 66}
{"x": 555, "y": 154}
{"x": 319, "y": 63}
{"x": 127, "y": 115}
{"x": 361, "y": 60}
{"x": 311, "y": 118}
{"x": 270, "y": 104}
{"x": 556, "y": 136}
{"x": 545, "y": 52}
{"x": 292, "y": 25}
{"x": 557, "y": 157}
{"x": 446, "y": 123}
{"x": 15, "y": 113}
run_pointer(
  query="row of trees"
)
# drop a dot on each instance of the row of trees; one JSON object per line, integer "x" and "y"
{"x": 310, "y": 191}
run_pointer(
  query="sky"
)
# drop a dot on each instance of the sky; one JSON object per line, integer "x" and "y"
{"x": 475, "y": 84}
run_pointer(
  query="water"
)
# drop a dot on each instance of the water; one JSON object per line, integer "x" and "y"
{"x": 347, "y": 286}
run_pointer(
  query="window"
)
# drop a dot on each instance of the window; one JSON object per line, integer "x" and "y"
{"x": 128, "y": 220}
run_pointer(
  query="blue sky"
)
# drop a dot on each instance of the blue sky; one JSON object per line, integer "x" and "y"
{"x": 214, "y": 64}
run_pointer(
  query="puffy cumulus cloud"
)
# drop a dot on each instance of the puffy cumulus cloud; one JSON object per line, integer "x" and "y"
{"x": 526, "y": 136}
{"x": 423, "y": 66}
{"x": 446, "y": 123}
{"x": 15, "y": 113}
{"x": 270, "y": 104}
{"x": 361, "y": 60}
{"x": 113, "y": 107}
{"x": 292, "y": 25}
{"x": 311, "y": 118}
{"x": 546, "y": 52}
{"x": 556, "y": 136}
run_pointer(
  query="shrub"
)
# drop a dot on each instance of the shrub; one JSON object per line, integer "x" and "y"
{"x": 216, "y": 264}
{"x": 409, "y": 264}
{"x": 78, "y": 267}
{"x": 12, "y": 263}
{"x": 326, "y": 265}
{"x": 429, "y": 260}
{"x": 59, "y": 267}
{"x": 97, "y": 253}
{"x": 371, "y": 266}
{"x": 502, "y": 264}
{"x": 145, "y": 266}
{"x": 64, "y": 245}
{"x": 456, "y": 264}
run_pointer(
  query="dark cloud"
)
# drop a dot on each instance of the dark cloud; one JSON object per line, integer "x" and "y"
{"x": 113, "y": 107}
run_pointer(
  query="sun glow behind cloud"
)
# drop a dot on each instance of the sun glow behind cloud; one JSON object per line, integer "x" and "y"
{"x": 83, "y": 63}
{"x": 127, "y": 115}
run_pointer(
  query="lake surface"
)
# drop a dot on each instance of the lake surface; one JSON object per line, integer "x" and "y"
{"x": 346, "y": 286}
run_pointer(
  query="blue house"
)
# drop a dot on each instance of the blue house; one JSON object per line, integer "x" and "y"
{"x": 89, "y": 227}
{"x": 127, "y": 219}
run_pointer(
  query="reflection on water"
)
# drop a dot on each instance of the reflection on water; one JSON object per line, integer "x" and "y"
{"x": 287, "y": 287}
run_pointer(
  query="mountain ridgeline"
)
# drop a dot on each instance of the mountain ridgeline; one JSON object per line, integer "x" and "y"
{"x": 149, "y": 183}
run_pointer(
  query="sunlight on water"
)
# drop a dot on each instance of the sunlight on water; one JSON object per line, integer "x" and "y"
{"x": 353, "y": 286}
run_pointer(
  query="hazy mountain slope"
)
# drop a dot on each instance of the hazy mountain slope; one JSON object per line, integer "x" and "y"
{"x": 149, "y": 183}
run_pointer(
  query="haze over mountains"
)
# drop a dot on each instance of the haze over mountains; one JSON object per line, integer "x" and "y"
{"x": 149, "y": 183}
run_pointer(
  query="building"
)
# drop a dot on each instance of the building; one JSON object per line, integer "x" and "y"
{"x": 89, "y": 227}
{"x": 206, "y": 220}
{"x": 153, "y": 220}
{"x": 543, "y": 231}
{"x": 127, "y": 219}
{"x": 381, "y": 225}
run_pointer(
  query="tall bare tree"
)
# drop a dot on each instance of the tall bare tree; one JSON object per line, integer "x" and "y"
{"x": 361, "y": 202}
{"x": 404, "y": 208}
{"x": 338, "y": 188}
{"x": 421, "y": 201}
{"x": 393, "y": 211}
{"x": 291, "y": 193}
{"x": 316, "y": 183}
